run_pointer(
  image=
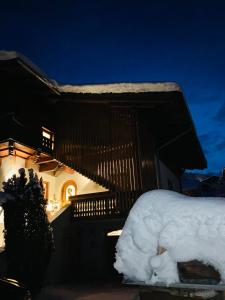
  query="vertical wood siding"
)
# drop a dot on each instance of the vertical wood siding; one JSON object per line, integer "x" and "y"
{"x": 109, "y": 144}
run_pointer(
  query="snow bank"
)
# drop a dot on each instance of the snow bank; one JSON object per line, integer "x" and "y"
{"x": 166, "y": 227}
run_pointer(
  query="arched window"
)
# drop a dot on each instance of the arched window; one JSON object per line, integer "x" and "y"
{"x": 69, "y": 189}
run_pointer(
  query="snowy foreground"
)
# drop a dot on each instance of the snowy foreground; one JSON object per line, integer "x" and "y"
{"x": 166, "y": 227}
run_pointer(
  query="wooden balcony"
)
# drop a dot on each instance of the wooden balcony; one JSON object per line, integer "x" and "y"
{"x": 100, "y": 205}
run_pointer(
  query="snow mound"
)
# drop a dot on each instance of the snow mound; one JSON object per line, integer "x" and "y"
{"x": 165, "y": 227}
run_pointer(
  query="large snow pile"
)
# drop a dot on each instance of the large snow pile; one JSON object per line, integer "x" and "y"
{"x": 166, "y": 227}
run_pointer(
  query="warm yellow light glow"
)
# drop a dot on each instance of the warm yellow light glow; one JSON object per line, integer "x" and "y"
{"x": 46, "y": 134}
{"x": 12, "y": 280}
{"x": 70, "y": 191}
{"x": 2, "y": 240}
{"x": 10, "y": 174}
{"x": 49, "y": 207}
{"x": 115, "y": 233}
{"x": 52, "y": 207}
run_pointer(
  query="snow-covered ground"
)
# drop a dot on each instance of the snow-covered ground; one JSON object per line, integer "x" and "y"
{"x": 166, "y": 227}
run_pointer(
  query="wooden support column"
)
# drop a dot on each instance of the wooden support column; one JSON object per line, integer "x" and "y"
{"x": 146, "y": 152}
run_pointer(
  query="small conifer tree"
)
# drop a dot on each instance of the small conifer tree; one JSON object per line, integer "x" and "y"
{"x": 28, "y": 233}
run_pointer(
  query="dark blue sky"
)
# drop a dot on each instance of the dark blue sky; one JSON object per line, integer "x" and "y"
{"x": 117, "y": 41}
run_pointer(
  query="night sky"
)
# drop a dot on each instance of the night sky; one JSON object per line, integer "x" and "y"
{"x": 100, "y": 41}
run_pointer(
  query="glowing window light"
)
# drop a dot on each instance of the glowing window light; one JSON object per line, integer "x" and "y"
{"x": 70, "y": 191}
{"x": 48, "y": 138}
{"x": 115, "y": 233}
{"x": 46, "y": 134}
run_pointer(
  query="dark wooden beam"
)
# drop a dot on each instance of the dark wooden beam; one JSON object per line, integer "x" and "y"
{"x": 50, "y": 166}
{"x": 44, "y": 160}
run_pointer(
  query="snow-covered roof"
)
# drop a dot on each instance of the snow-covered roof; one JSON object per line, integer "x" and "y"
{"x": 29, "y": 66}
{"x": 108, "y": 88}
{"x": 6, "y": 55}
{"x": 119, "y": 88}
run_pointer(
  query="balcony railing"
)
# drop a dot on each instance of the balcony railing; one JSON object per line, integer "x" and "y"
{"x": 100, "y": 205}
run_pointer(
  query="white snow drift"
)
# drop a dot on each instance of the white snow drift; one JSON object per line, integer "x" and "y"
{"x": 166, "y": 227}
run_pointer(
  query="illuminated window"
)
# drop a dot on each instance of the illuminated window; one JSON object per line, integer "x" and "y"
{"x": 46, "y": 134}
{"x": 47, "y": 138}
{"x": 69, "y": 189}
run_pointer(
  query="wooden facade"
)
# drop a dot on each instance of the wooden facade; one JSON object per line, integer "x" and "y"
{"x": 100, "y": 142}
{"x": 118, "y": 140}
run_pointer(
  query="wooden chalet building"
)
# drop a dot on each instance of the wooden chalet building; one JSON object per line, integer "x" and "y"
{"x": 123, "y": 139}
